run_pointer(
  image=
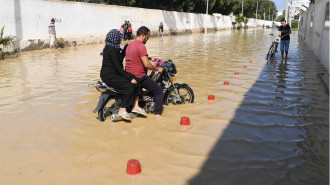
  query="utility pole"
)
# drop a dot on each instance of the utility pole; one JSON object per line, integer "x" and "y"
{"x": 257, "y": 11}
{"x": 286, "y": 11}
{"x": 207, "y": 11}
{"x": 268, "y": 14}
{"x": 242, "y": 7}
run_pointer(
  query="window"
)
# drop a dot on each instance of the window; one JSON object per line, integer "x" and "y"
{"x": 327, "y": 18}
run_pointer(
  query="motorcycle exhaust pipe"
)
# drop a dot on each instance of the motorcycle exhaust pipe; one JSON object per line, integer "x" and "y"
{"x": 117, "y": 117}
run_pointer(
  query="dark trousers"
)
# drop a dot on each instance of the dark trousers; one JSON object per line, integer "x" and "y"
{"x": 125, "y": 35}
{"x": 126, "y": 89}
{"x": 156, "y": 91}
{"x": 129, "y": 93}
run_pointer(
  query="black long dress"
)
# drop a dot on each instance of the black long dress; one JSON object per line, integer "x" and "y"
{"x": 114, "y": 75}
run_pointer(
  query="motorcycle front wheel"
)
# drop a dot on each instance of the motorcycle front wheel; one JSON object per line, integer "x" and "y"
{"x": 186, "y": 96}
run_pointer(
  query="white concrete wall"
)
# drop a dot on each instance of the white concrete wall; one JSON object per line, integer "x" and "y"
{"x": 315, "y": 33}
{"x": 84, "y": 23}
{"x": 258, "y": 22}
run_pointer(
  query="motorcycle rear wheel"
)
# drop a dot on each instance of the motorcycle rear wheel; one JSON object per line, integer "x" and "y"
{"x": 107, "y": 110}
{"x": 186, "y": 96}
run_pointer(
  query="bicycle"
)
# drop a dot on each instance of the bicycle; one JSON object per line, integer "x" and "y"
{"x": 272, "y": 50}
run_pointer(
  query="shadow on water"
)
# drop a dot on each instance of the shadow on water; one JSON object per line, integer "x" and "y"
{"x": 279, "y": 133}
{"x": 18, "y": 22}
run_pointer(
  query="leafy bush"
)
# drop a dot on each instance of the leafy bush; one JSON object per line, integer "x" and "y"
{"x": 8, "y": 54}
{"x": 234, "y": 25}
{"x": 294, "y": 25}
{"x": 239, "y": 18}
{"x": 5, "y": 41}
{"x": 245, "y": 20}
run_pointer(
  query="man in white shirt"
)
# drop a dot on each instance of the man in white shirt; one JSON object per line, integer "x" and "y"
{"x": 52, "y": 33}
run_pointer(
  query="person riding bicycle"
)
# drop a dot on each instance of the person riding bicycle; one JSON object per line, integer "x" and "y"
{"x": 285, "y": 31}
{"x": 113, "y": 74}
{"x": 137, "y": 63}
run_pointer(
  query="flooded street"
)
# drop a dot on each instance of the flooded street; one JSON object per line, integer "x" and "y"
{"x": 269, "y": 126}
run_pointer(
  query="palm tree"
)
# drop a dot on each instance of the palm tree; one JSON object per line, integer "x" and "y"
{"x": 245, "y": 20}
{"x": 5, "y": 40}
{"x": 239, "y": 18}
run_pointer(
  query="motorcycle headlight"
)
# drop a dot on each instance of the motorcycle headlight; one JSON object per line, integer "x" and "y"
{"x": 170, "y": 67}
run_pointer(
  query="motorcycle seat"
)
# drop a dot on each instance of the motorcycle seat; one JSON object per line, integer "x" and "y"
{"x": 105, "y": 87}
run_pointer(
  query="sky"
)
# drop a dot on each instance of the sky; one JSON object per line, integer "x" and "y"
{"x": 280, "y": 4}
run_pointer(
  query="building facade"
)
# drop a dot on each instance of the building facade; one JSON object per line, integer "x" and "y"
{"x": 314, "y": 26}
{"x": 295, "y": 8}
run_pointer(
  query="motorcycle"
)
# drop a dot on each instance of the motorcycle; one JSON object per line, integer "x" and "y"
{"x": 174, "y": 93}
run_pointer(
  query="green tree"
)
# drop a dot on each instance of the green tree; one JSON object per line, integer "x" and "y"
{"x": 294, "y": 25}
{"x": 281, "y": 17}
{"x": 5, "y": 40}
{"x": 266, "y": 9}
{"x": 245, "y": 20}
{"x": 224, "y": 7}
{"x": 239, "y": 18}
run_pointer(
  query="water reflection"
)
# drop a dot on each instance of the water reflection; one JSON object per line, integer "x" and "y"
{"x": 269, "y": 126}
{"x": 282, "y": 75}
{"x": 275, "y": 136}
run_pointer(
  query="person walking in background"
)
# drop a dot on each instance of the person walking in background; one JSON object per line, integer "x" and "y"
{"x": 52, "y": 33}
{"x": 130, "y": 30}
{"x": 125, "y": 30}
{"x": 161, "y": 29}
{"x": 285, "y": 31}
{"x": 122, "y": 31}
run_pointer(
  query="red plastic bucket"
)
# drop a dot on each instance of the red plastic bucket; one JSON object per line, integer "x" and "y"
{"x": 133, "y": 167}
{"x": 185, "y": 121}
{"x": 211, "y": 97}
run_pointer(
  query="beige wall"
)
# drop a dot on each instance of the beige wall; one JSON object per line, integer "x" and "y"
{"x": 84, "y": 23}
{"x": 313, "y": 31}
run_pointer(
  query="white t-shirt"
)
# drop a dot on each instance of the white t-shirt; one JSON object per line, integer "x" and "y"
{"x": 51, "y": 28}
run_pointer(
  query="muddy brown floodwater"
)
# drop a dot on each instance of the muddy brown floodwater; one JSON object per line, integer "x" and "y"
{"x": 270, "y": 125}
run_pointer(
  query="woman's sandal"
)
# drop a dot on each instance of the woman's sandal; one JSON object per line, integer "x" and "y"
{"x": 140, "y": 111}
{"x": 125, "y": 115}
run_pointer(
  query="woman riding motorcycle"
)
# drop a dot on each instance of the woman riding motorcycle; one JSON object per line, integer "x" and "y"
{"x": 113, "y": 74}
